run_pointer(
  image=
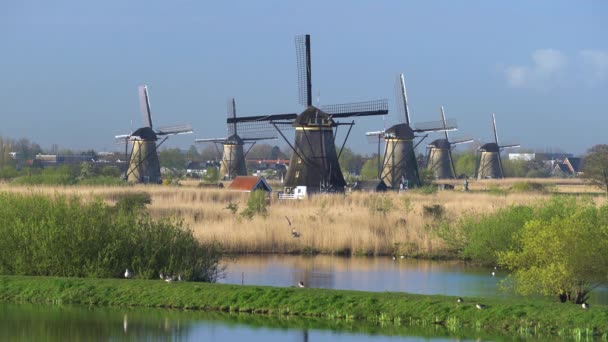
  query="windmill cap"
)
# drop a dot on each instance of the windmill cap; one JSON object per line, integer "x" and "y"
{"x": 145, "y": 133}
{"x": 311, "y": 115}
{"x": 234, "y": 140}
{"x": 441, "y": 144}
{"x": 400, "y": 131}
{"x": 489, "y": 147}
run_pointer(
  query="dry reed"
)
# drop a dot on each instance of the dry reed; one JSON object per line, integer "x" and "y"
{"x": 327, "y": 223}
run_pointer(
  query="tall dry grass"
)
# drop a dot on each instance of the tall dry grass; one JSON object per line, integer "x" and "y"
{"x": 327, "y": 223}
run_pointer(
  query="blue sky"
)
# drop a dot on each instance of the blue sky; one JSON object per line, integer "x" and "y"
{"x": 69, "y": 70}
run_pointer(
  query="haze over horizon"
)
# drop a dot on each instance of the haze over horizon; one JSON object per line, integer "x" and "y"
{"x": 70, "y": 69}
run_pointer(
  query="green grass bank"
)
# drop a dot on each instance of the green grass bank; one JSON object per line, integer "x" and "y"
{"x": 501, "y": 315}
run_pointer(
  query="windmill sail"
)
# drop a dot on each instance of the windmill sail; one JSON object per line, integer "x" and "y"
{"x": 144, "y": 166}
{"x": 439, "y": 152}
{"x": 489, "y": 162}
{"x": 233, "y": 157}
{"x": 314, "y": 162}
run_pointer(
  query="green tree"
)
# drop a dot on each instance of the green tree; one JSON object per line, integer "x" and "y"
{"x": 172, "y": 158}
{"x": 212, "y": 175}
{"x": 465, "y": 164}
{"x": 5, "y": 149}
{"x": 561, "y": 253}
{"x": 350, "y": 162}
{"x": 369, "y": 170}
{"x": 595, "y": 170}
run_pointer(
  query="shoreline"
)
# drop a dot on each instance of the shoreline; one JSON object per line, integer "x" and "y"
{"x": 389, "y": 308}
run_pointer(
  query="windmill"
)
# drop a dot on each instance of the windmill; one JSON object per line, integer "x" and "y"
{"x": 314, "y": 162}
{"x": 233, "y": 157}
{"x": 400, "y": 167}
{"x": 489, "y": 164}
{"x": 439, "y": 156}
{"x": 144, "y": 166}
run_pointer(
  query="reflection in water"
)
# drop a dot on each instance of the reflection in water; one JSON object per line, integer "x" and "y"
{"x": 453, "y": 278}
{"x": 27, "y": 322}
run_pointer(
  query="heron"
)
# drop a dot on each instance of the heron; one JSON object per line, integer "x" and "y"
{"x": 294, "y": 232}
{"x": 128, "y": 274}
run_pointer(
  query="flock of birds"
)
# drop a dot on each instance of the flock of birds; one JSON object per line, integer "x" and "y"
{"x": 167, "y": 278}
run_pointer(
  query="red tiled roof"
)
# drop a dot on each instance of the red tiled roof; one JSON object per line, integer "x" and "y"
{"x": 247, "y": 183}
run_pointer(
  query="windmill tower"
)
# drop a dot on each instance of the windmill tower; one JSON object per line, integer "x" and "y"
{"x": 400, "y": 167}
{"x": 314, "y": 162}
{"x": 439, "y": 156}
{"x": 489, "y": 164}
{"x": 233, "y": 156}
{"x": 144, "y": 166}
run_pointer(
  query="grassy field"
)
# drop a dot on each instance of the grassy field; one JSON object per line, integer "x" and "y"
{"x": 514, "y": 316}
{"x": 350, "y": 224}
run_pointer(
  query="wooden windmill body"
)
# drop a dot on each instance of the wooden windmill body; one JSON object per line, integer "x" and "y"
{"x": 314, "y": 162}
{"x": 489, "y": 163}
{"x": 233, "y": 152}
{"x": 439, "y": 156}
{"x": 144, "y": 165}
{"x": 400, "y": 165}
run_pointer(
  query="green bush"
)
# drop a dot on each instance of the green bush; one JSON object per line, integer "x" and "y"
{"x": 562, "y": 251}
{"x": 256, "y": 204}
{"x": 528, "y": 187}
{"x": 481, "y": 238}
{"x": 67, "y": 236}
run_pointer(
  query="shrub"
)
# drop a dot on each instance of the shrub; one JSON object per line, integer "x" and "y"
{"x": 562, "y": 251}
{"x": 256, "y": 204}
{"x": 480, "y": 238}
{"x": 133, "y": 201}
{"x": 379, "y": 204}
{"x": 66, "y": 236}
{"x": 528, "y": 187}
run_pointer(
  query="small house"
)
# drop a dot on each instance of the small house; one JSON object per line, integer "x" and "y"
{"x": 249, "y": 184}
{"x": 370, "y": 186}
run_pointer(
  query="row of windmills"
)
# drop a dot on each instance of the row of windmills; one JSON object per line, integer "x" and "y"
{"x": 314, "y": 161}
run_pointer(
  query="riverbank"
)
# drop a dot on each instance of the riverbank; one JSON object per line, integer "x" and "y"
{"x": 504, "y": 315}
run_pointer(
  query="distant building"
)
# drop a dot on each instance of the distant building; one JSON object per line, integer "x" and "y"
{"x": 370, "y": 186}
{"x": 570, "y": 167}
{"x": 539, "y": 156}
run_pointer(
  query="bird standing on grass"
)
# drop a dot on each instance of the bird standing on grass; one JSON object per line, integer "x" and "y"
{"x": 300, "y": 284}
{"x": 294, "y": 232}
{"x": 128, "y": 274}
{"x": 480, "y": 306}
{"x": 585, "y": 306}
{"x": 459, "y": 300}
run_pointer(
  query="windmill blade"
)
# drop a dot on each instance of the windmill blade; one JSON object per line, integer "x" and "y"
{"x": 373, "y": 137}
{"x": 259, "y": 138}
{"x": 444, "y": 124}
{"x": 304, "y": 70}
{"x": 367, "y": 108}
{"x": 213, "y": 140}
{"x": 494, "y": 125}
{"x": 170, "y": 130}
{"x": 460, "y": 141}
{"x": 436, "y": 126}
{"x": 510, "y": 146}
{"x": 144, "y": 105}
{"x": 122, "y": 137}
{"x": 401, "y": 99}
{"x": 267, "y": 118}
{"x": 231, "y": 111}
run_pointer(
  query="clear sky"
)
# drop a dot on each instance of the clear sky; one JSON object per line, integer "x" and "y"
{"x": 69, "y": 70}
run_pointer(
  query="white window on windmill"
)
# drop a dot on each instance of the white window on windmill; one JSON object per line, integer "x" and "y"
{"x": 297, "y": 174}
{"x": 299, "y": 160}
